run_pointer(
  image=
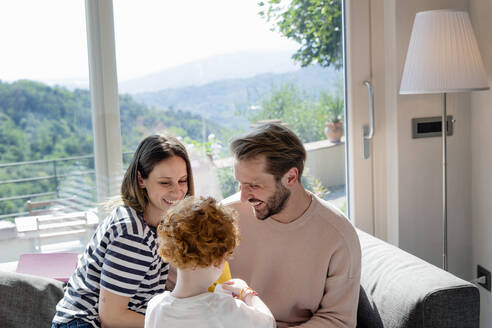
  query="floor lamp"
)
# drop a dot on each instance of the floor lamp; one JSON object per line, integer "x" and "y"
{"x": 443, "y": 57}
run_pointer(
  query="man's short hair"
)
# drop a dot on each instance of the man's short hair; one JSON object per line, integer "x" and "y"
{"x": 280, "y": 146}
{"x": 198, "y": 233}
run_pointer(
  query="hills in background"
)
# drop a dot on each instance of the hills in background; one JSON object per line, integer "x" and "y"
{"x": 199, "y": 72}
{"x": 220, "y": 87}
{"x": 211, "y": 69}
{"x": 42, "y": 122}
{"x": 221, "y": 101}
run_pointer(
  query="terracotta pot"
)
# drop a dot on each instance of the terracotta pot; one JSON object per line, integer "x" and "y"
{"x": 334, "y": 131}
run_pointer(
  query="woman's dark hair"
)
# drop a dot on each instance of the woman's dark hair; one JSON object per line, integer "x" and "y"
{"x": 151, "y": 151}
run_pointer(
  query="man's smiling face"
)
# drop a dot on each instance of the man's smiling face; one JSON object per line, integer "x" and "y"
{"x": 259, "y": 188}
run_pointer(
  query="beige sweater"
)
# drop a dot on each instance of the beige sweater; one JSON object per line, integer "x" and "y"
{"x": 306, "y": 271}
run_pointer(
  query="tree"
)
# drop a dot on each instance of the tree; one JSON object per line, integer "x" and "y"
{"x": 315, "y": 24}
{"x": 305, "y": 114}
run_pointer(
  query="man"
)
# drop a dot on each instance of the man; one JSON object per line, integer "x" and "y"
{"x": 297, "y": 251}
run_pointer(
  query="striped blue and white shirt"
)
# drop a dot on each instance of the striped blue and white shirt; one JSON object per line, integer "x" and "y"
{"x": 122, "y": 257}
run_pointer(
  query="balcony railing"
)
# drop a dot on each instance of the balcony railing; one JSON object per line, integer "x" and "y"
{"x": 68, "y": 182}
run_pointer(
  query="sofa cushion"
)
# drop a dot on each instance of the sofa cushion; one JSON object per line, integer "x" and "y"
{"x": 367, "y": 312}
{"x": 28, "y": 301}
{"x": 401, "y": 290}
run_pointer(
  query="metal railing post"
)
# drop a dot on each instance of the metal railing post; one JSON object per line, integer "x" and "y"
{"x": 56, "y": 178}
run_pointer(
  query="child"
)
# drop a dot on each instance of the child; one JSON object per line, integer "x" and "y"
{"x": 196, "y": 237}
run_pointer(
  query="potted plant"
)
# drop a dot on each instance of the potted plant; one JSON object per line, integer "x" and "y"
{"x": 333, "y": 105}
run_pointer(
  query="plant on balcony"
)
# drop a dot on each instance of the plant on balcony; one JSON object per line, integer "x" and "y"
{"x": 333, "y": 105}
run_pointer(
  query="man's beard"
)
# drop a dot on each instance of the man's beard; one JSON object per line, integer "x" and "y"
{"x": 275, "y": 203}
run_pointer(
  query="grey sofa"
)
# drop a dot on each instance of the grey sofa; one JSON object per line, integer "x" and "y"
{"x": 397, "y": 290}
{"x": 401, "y": 290}
{"x": 27, "y": 301}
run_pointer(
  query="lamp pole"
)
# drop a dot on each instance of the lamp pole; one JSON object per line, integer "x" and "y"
{"x": 444, "y": 130}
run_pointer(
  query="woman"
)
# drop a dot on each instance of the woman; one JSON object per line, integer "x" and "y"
{"x": 120, "y": 270}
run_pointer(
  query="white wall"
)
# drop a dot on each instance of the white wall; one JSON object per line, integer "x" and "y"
{"x": 326, "y": 162}
{"x": 419, "y": 162}
{"x": 481, "y": 150}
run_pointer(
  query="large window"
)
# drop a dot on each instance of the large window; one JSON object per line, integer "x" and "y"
{"x": 204, "y": 72}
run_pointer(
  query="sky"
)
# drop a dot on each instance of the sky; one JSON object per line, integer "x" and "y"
{"x": 46, "y": 40}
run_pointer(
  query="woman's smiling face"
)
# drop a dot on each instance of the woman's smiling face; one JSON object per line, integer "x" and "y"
{"x": 166, "y": 184}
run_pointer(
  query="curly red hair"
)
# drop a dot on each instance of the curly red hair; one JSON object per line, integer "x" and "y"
{"x": 198, "y": 233}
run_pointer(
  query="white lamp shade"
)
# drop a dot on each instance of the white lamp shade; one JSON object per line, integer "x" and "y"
{"x": 443, "y": 55}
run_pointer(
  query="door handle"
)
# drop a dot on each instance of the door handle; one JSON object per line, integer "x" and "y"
{"x": 368, "y": 130}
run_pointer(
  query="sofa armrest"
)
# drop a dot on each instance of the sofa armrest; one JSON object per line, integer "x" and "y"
{"x": 401, "y": 290}
{"x": 28, "y": 301}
